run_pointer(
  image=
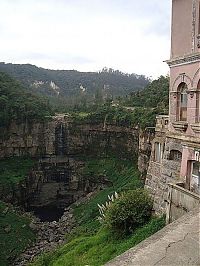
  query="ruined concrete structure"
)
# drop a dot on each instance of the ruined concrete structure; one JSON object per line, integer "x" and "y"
{"x": 175, "y": 156}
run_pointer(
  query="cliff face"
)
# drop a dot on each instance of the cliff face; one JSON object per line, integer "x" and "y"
{"x": 145, "y": 144}
{"x": 61, "y": 136}
{"x": 21, "y": 139}
{"x": 56, "y": 176}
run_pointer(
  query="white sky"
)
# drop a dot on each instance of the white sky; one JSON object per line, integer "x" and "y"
{"x": 87, "y": 35}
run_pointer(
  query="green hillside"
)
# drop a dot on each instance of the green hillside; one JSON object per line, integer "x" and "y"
{"x": 75, "y": 83}
{"x": 18, "y": 104}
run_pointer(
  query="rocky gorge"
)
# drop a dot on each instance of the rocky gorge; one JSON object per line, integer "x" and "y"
{"x": 58, "y": 148}
{"x": 49, "y": 236}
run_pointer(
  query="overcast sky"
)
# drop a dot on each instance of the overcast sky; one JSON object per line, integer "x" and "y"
{"x": 130, "y": 35}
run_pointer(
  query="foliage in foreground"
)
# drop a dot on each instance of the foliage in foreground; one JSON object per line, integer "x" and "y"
{"x": 91, "y": 243}
{"x": 15, "y": 234}
{"x": 123, "y": 176}
{"x": 130, "y": 211}
{"x": 97, "y": 249}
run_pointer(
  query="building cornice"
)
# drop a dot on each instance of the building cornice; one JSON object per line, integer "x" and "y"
{"x": 184, "y": 60}
{"x": 184, "y": 138}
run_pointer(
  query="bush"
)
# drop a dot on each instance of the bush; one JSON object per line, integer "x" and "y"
{"x": 131, "y": 210}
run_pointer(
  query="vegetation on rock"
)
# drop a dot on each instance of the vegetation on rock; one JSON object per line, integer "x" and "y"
{"x": 14, "y": 170}
{"x": 99, "y": 248}
{"x": 15, "y": 234}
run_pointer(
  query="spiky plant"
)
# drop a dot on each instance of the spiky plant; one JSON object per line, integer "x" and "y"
{"x": 103, "y": 207}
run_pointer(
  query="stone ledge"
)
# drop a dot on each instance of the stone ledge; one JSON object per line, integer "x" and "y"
{"x": 185, "y": 191}
{"x": 180, "y": 125}
{"x": 191, "y": 58}
{"x": 156, "y": 250}
{"x": 196, "y": 127}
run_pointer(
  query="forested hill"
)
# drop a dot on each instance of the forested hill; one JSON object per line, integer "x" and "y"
{"x": 155, "y": 94}
{"x": 108, "y": 82}
{"x": 18, "y": 104}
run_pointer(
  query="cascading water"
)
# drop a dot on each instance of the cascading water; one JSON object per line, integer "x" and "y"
{"x": 56, "y": 191}
{"x": 60, "y": 140}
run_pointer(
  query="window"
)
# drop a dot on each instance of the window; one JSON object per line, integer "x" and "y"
{"x": 195, "y": 180}
{"x": 182, "y": 102}
{"x": 197, "y": 103}
{"x": 157, "y": 152}
{"x": 175, "y": 155}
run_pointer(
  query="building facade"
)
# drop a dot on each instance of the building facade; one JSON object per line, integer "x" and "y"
{"x": 175, "y": 156}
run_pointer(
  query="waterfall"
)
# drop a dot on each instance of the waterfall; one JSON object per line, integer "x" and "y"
{"x": 60, "y": 140}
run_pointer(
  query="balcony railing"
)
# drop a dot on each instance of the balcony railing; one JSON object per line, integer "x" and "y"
{"x": 162, "y": 122}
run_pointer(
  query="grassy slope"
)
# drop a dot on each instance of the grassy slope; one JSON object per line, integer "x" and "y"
{"x": 92, "y": 244}
{"x": 18, "y": 234}
{"x": 123, "y": 175}
{"x": 15, "y": 234}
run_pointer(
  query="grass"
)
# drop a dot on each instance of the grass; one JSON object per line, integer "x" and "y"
{"x": 15, "y": 234}
{"x": 123, "y": 175}
{"x": 13, "y": 170}
{"x": 91, "y": 243}
{"x": 99, "y": 248}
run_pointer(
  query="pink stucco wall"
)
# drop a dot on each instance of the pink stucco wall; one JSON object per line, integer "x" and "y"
{"x": 190, "y": 74}
{"x": 187, "y": 155}
{"x": 184, "y": 45}
{"x": 183, "y": 41}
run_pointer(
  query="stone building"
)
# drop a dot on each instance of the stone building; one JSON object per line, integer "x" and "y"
{"x": 174, "y": 170}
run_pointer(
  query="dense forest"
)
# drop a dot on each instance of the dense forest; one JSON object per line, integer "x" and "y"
{"x": 59, "y": 83}
{"x": 155, "y": 94}
{"x": 138, "y": 109}
{"x": 18, "y": 104}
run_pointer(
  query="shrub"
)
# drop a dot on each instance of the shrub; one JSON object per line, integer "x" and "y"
{"x": 131, "y": 210}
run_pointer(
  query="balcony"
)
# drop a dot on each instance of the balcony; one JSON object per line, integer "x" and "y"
{"x": 162, "y": 122}
{"x": 196, "y": 127}
{"x": 180, "y": 125}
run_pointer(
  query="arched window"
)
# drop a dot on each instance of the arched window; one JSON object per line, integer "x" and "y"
{"x": 175, "y": 155}
{"x": 182, "y": 102}
{"x": 198, "y": 103}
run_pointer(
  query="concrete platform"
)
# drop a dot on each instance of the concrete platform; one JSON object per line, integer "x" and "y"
{"x": 176, "y": 244}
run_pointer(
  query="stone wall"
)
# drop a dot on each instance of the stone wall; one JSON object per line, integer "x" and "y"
{"x": 161, "y": 173}
{"x": 145, "y": 145}
{"x": 169, "y": 169}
